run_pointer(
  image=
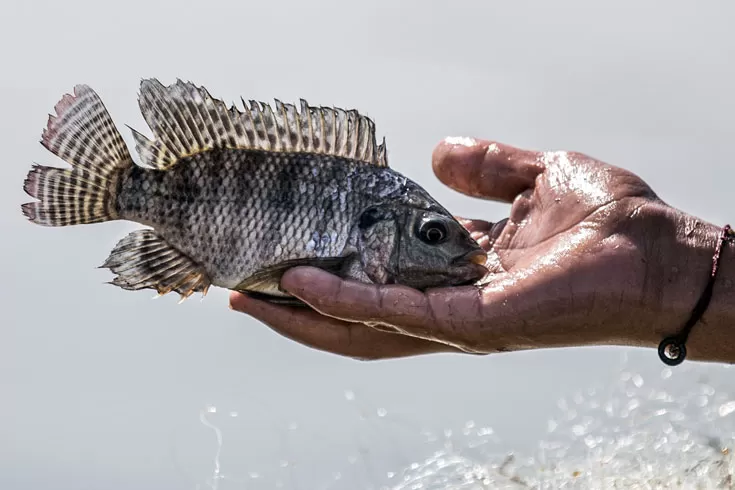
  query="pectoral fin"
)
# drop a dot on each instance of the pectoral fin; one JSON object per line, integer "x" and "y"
{"x": 265, "y": 285}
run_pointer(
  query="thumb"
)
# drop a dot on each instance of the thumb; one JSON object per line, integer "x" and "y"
{"x": 485, "y": 169}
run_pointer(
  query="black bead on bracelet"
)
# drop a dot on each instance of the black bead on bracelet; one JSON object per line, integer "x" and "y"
{"x": 672, "y": 350}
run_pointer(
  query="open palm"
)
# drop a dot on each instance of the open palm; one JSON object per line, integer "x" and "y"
{"x": 571, "y": 265}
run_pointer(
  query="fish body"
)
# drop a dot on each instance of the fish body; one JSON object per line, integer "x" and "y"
{"x": 233, "y": 198}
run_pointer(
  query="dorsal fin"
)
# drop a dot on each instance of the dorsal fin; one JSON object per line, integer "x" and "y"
{"x": 186, "y": 120}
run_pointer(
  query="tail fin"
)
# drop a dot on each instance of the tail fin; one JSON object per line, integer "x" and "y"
{"x": 82, "y": 134}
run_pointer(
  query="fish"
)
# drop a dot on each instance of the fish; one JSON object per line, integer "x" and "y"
{"x": 234, "y": 197}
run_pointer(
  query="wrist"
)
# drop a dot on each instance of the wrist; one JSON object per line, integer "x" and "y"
{"x": 679, "y": 260}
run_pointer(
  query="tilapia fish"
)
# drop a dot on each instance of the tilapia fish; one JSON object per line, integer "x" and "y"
{"x": 234, "y": 197}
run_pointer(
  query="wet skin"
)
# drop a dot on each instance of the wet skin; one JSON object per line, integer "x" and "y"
{"x": 589, "y": 255}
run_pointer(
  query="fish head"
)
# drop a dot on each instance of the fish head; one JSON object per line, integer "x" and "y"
{"x": 418, "y": 247}
{"x": 435, "y": 250}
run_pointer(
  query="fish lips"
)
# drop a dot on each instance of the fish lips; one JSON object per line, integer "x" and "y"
{"x": 474, "y": 262}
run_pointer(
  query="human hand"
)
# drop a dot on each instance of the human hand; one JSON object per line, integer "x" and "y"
{"x": 588, "y": 255}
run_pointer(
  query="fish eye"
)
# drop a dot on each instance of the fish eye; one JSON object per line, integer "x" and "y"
{"x": 433, "y": 232}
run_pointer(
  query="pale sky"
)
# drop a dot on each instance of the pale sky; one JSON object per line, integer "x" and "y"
{"x": 103, "y": 387}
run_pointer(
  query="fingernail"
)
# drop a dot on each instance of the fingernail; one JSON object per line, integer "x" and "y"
{"x": 238, "y": 302}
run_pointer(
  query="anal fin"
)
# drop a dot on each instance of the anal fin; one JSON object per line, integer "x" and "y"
{"x": 143, "y": 260}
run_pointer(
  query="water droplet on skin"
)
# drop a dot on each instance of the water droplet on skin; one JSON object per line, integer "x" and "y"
{"x": 460, "y": 140}
{"x": 690, "y": 227}
{"x": 382, "y": 412}
{"x": 349, "y": 395}
{"x": 211, "y": 409}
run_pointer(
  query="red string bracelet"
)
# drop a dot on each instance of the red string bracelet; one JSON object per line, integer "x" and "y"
{"x": 672, "y": 350}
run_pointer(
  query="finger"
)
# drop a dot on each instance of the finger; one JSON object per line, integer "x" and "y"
{"x": 485, "y": 169}
{"x": 356, "y": 301}
{"x": 444, "y": 315}
{"x": 355, "y": 340}
{"x": 474, "y": 225}
{"x": 497, "y": 228}
{"x": 479, "y": 231}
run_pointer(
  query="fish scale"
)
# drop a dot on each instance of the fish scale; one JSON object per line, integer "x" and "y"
{"x": 235, "y": 197}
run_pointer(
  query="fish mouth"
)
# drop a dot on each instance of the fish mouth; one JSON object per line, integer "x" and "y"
{"x": 473, "y": 267}
{"x": 478, "y": 257}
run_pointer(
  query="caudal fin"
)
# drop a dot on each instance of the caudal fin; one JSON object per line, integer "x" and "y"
{"x": 82, "y": 134}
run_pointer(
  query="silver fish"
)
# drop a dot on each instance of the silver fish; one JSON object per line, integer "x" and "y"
{"x": 235, "y": 197}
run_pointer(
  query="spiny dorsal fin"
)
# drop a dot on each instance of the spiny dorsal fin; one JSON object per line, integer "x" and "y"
{"x": 186, "y": 120}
